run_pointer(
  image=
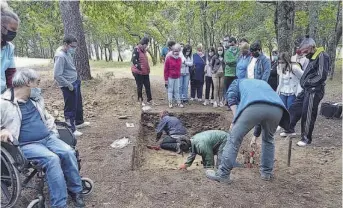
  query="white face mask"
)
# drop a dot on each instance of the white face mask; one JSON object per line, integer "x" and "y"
{"x": 220, "y": 52}
{"x": 210, "y": 53}
{"x": 35, "y": 92}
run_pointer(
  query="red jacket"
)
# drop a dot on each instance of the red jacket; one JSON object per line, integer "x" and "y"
{"x": 172, "y": 68}
{"x": 140, "y": 62}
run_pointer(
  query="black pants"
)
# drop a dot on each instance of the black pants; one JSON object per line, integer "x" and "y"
{"x": 227, "y": 83}
{"x": 169, "y": 143}
{"x": 196, "y": 88}
{"x": 140, "y": 81}
{"x": 209, "y": 85}
{"x": 73, "y": 109}
{"x": 305, "y": 106}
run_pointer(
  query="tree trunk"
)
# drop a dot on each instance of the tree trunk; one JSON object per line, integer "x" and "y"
{"x": 334, "y": 40}
{"x": 204, "y": 24}
{"x": 71, "y": 17}
{"x": 313, "y": 20}
{"x": 154, "y": 60}
{"x": 286, "y": 13}
{"x": 105, "y": 48}
{"x": 110, "y": 51}
{"x": 118, "y": 48}
{"x": 101, "y": 52}
{"x": 96, "y": 48}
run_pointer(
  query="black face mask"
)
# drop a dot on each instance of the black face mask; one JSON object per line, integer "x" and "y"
{"x": 9, "y": 36}
{"x": 255, "y": 54}
{"x": 309, "y": 55}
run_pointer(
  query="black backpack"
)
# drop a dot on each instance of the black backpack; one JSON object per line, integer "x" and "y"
{"x": 331, "y": 110}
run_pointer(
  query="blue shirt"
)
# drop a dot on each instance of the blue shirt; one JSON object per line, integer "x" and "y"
{"x": 32, "y": 126}
{"x": 242, "y": 65}
{"x": 199, "y": 64}
{"x": 171, "y": 125}
{"x": 245, "y": 92}
{"x": 7, "y": 61}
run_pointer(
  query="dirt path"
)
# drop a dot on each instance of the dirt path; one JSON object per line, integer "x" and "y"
{"x": 313, "y": 180}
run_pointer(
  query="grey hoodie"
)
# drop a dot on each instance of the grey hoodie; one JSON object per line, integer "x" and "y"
{"x": 64, "y": 69}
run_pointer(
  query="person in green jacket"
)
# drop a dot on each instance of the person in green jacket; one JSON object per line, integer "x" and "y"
{"x": 207, "y": 144}
{"x": 230, "y": 58}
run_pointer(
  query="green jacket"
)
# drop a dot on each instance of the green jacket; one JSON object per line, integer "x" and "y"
{"x": 230, "y": 58}
{"x": 207, "y": 144}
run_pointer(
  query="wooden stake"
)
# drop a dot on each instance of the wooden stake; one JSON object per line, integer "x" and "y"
{"x": 289, "y": 151}
{"x": 133, "y": 157}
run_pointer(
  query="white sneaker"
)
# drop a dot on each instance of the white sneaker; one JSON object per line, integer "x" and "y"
{"x": 77, "y": 133}
{"x": 215, "y": 104}
{"x": 286, "y": 134}
{"x": 180, "y": 105}
{"x": 206, "y": 103}
{"x": 221, "y": 104}
{"x": 84, "y": 124}
{"x": 143, "y": 104}
{"x": 199, "y": 100}
{"x": 170, "y": 105}
{"x": 212, "y": 101}
{"x": 278, "y": 128}
{"x": 192, "y": 99}
{"x": 301, "y": 144}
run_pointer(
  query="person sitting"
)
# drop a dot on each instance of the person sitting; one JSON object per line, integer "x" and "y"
{"x": 25, "y": 119}
{"x": 174, "y": 130}
{"x": 252, "y": 102}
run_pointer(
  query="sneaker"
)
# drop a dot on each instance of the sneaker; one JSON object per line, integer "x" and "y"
{"x": 221, "y": 104}
{"x": 192, "y": 99}
{"x": 199, "y": 100}
{"x": 215, "y": 104}
{"x": 178, "y": 149}
{"x": 212, "y": 101}
{"x": 278, "y": 128}
{"x": 211, "y": 174}
{"x": 170, "y": 105}
{"x": 180, "y": 105}
{"x": 151, "y": 102}
{"x": 288, "y": 133}
{"x": 206, "y": 103}
{"x": 266, "y": 177}
{"x": 77, "y": 133}
{"x": 143, "y": 104}
{"x": 84, "y": 124}
{"x": 77, "y": 200}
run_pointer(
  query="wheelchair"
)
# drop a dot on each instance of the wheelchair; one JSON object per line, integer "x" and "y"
{"x": 17, "y": 172}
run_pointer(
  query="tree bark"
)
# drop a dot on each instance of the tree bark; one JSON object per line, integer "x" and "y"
{"x": 96, "y": 48}
{"x": 118, "y": 48}
{"x": 313, "y": 20}
{"x": 71, "y": 17}
{"x": 334, "y": 40}
{"x": 285, "y": 19}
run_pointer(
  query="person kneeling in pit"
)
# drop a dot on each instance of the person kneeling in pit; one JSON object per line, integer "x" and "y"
{"x": 207, "y": 144}
{"x": 252, "y": 102}
{"x": 174, "y": 130}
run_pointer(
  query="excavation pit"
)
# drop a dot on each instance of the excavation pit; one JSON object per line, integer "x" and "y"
{"x": 195, "y": 122}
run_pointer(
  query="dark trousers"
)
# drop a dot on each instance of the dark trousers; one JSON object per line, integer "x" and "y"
{"x": 305, "y": 106}
{"x": 73, "y": 109}
{"x": 169, "y": 143}
{"x": 196, "y": 88}
{"x": 209, "y": 85}
{"x": 227, "y": 83}
{"x": 140, "y": 81}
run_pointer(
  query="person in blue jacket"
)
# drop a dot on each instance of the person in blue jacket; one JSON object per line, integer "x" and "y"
{"x": 252, "y": 102}
{"x": 243, "y": 61}
{"x": 198, "y": 73}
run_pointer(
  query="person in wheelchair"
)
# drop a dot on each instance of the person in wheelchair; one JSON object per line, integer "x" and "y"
{"x": 25, "y": 119}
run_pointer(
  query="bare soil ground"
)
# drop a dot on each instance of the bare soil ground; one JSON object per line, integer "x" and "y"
{"x": 313, "y": 180}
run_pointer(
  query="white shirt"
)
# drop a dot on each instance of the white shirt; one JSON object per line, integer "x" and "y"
{"x": 251, "y": 68}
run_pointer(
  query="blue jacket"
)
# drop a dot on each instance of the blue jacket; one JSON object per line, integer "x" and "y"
{"x": 262, "y": 68}
{"x": 245, "y": 92}
{"x": 171, "y": 125}
{"x": 199, "y": 65}
{"x": 242, "y": 65}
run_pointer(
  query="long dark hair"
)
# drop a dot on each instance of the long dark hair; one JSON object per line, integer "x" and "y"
{"x": 185, "y": 49}
{"x": 284, "y": 56}
{"x": 220, "y": 46}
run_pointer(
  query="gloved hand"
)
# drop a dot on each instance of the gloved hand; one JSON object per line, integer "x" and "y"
{"x": 71, "y": 87}
{"x": 183, "y": 167}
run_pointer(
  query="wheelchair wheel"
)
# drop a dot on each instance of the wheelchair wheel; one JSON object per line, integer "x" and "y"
{"x": 87, "y": 186}
{"x": 10, "y": 180}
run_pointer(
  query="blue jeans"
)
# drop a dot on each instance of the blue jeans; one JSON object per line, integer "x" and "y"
{"x": 287, "y": 100}
{"x": 184, "y": 80}
{"x": 173, "y": 89}
{"x": 59, "y": 162}
{"x": 269, "y": 117}
{"x": 73, "y": 110}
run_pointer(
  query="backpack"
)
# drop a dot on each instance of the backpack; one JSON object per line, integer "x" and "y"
{"x": 331, "y": 110}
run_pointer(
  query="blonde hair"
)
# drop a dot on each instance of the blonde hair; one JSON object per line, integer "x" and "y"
{"x": 244, "y": 46}
{"x": 199, "y": 46}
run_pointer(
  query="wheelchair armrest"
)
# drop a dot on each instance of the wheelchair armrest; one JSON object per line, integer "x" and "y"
{"x": 17, "y": 155}
{"x": 62, "y": 124}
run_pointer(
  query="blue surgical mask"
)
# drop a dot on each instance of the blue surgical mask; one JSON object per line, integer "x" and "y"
{"x": 71, "y": 50}
{"x": 35, "y": 92}
{"x": 275, "y": 58}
